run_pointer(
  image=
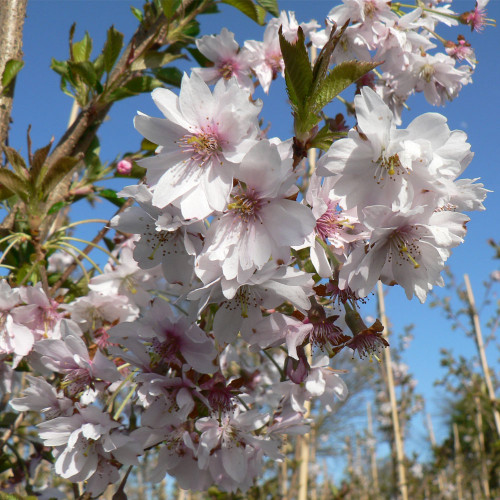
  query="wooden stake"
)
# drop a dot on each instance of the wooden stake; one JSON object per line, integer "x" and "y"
{"x": 482, "y": 450}
{"x": 432, "y": 437}
{"x": 482, "y": 354}
{"x": 372, "y": 452}
{"x": 458, "y": 462}
{"x": 398, "y": 440}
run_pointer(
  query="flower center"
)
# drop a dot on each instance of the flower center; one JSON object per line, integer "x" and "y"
{"x": 246, "y": 205}
{"x": 330, "y": 224}
{"x": 391, "y": 166}
{"x": 227, "y": 70}
{"x": 427, "y": 72}
{"x": 164, "y": 354}
{"x": 202, "y": 146}
{"x": 406, "y": 248}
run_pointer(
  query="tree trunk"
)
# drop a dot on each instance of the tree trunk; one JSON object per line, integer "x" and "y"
{"x": 12, "y": 14}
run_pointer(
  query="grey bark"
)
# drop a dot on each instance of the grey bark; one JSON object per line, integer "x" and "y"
{"x": 12, "y": 15}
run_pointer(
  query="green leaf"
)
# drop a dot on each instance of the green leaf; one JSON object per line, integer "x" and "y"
{"x": 56, "y": 173}
{"x": 323, "y": 139}
{"x": 112, "y": 48}
{"x": 80, "y": 51}
{"x": 85, "y": 70}
{"x": 135, "y": 86}
{"x": 339, "y": 78}
{"x": 7, "y": 419}
{"x": 170, "y": 76}
{"x": 137, "y": 13}
{"x": 297, "y": 68}
{"x": 154, "y": 60}
{"x": 60, "y": 67}
{"x": 169, "y": 7}
{"x": 203, "y": 61}
{"x": 14, "y": 183}
{"x": 322, "y": 62}
{"x": 192, "y": 29}
{"x": 12, "y": 68}
{"x": 56, "y": 207}
{"x": 39, "y": 158}
{"x": 271, "y": 6}
{"x": 110, "y": 195}
{"x": 5, "y": 193}
{"x": 247, "y": 7}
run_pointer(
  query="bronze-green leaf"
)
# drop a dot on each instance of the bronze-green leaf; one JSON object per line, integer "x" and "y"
{"x": 339, "y": 78}
{"x": 39, "y": 157}
{"x": 14, "y": 183}
{"x": 16, "y": 161}
{"x": 297, "y": 68}
{"x": 56, "y": 173}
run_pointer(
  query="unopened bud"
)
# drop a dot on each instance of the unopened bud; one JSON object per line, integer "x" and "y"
{"x": 124, "y": 167}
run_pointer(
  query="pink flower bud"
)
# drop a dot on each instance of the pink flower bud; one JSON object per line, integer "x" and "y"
{"x": 124, "y": 167}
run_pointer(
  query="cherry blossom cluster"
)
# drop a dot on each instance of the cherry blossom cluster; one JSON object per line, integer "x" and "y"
{"x": 413, "y": 56}
{"x": 239, "y": 274}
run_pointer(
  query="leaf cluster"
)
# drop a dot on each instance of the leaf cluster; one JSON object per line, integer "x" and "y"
{"x": 310, "y": 89}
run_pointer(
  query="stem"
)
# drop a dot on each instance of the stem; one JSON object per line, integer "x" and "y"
{"x": 87, "y": 221}
{"x": 87, "y": 249}
{"x": 9, "y": 247}
{"x": 280, "y": 370}
{"x": 94, "y": 245}
{"x": 125, "y": 401}
{"x": 80, "y": 252}
{"x": 65, "y": 250}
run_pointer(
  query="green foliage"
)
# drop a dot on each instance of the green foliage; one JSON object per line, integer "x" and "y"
{"x": 169, "y": 7}
{"x": 12, "y": 68}
{"x": 271, "y": 6}
{"x": 110, "y": 195}
{"x": 81, "y": 51}
{"x": 112, "y": 48}
{"x": 311, "y": 89}
{"x": 254, "y": 11}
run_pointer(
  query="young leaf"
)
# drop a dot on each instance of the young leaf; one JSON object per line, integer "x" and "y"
{"x": 137, "y": 13}
{"x": 56, "y": 173}
{"x": 297, "y": 68}
{"x": 271, "y": 6}
{"x": 247, "y": 7}
{"x": 169, "y": 7}
{"x": 15, "y": 184}
{"x": 135, "y": 86}
{"x": 80, "y": 51}
{"x": 339, "y": 78}
{"x": 12, "y": 68}
{"x": 17, "y": 162}
{"x": 110, "y": 195}
{"x": 170, "y": 76}
{"x": 323, "y": 60}
{"x": 323, "y": 139}
{"x": 39, "y": 158}
{"x": 5, "y": 192}
{"x": 112, "y": 48}
{"x": 203, "y": 61}
{"x": 154, "y": 60}
{"x": 85, "y": 70}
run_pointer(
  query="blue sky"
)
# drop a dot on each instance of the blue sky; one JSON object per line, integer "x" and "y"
{"x": 39, "y": 102}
